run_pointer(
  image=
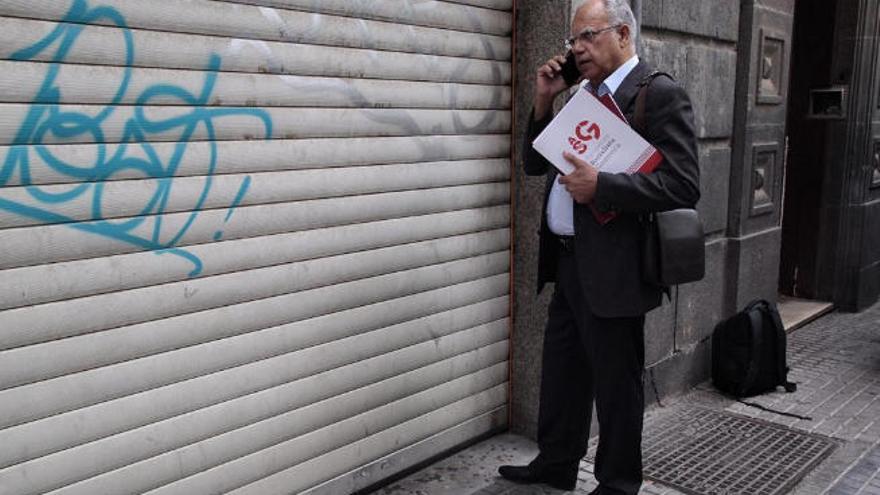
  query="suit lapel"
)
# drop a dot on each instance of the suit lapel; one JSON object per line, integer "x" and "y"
{"x": 626, "y": 93}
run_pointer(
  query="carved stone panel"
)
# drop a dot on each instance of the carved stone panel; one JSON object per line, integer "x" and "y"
{"x": 771, "y": 62}
{"x": 764, "y": 160}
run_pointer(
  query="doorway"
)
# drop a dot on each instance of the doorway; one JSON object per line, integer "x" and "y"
{"x": 803, "y": 229}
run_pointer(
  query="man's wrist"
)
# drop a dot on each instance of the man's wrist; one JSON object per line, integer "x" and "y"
{"x": 540, "y": 113}
{"x": 543, "y": 106}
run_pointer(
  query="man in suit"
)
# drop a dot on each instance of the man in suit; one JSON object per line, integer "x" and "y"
{"x": 594, "y": 338}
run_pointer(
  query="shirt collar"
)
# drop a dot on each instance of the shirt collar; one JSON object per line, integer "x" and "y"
{"x": 613, "y": 81}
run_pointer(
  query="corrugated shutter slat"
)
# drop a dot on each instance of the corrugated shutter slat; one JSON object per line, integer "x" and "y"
{"x": 190, "y": 51}
{"x": 258, "y": 246}
{"x": 261, "y": 23}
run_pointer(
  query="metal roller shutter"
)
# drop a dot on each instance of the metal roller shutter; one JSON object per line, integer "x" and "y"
{"x": 258, "y": 246}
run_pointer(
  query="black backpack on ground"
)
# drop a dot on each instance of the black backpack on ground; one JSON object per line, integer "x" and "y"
{"x": 748, "y": 352}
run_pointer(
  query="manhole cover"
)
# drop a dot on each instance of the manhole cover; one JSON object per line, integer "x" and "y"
{"x": 706, "y": 452}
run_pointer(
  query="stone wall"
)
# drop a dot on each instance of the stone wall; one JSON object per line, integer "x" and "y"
{"x": 696, "y": 42}
{"x": 540, "y": 27}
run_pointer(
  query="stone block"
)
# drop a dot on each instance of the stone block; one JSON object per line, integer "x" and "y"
{"x": 715, "y": 19}
{"x": 755, "y": 264}
{"x": 869, "y": 256}
{"x": 700, "y": 304}
{"x": 666, "y": 55}
{"x": 530, "y": 310}
{"x": 869, "y": 286}
{"x": 660, "y": 332}
{"x": 714, "y": 188}
{"x": 678, "y": 373}
{"x": 540, "y": 27}
{"x": 708, "y": 73}
{"x": 784, "y": 6}
{"x": 870, "y": 248}
{"x": 527, "y": 344}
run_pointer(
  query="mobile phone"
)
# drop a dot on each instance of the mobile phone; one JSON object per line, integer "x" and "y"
{"x": 570, "y": 72}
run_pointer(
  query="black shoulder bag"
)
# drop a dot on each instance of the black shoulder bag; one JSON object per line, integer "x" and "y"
{"x": 673, "y": 250}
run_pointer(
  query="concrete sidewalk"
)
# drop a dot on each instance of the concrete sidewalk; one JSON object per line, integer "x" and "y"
{"x": 836, "y": 363}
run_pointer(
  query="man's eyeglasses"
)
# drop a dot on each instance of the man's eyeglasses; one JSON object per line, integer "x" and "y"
{"x": 586, "y": 36}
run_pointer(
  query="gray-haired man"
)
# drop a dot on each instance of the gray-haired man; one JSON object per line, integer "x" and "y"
{"x": 594, "y": 338}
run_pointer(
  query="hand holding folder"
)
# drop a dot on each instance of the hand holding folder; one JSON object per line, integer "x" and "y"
{"x": 595, "y": 130}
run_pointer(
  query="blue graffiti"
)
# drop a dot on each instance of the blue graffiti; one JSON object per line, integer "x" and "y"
{"x": 46, "y": 118}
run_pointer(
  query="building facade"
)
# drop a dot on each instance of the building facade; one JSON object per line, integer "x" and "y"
{"x": 274, "y": 246}
{"x": 785, "y": 96}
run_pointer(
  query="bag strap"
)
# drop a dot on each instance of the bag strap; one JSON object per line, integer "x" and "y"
{"x": 781, "y": 366}
{"x": 638, "y": 124}
{"x": 775, "y": 411}
{"x": 756, "y": 318}
{"x": 639, "y": 116}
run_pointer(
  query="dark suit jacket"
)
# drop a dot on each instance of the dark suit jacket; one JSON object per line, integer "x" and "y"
{"x": 609, "y": 256}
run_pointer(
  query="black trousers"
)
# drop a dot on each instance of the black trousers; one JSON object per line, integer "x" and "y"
{"x": 585, "y": 358}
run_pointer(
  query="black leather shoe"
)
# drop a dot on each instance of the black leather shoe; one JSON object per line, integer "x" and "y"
{"x": 528, "y": 474}
{"x": 600, "y": 491}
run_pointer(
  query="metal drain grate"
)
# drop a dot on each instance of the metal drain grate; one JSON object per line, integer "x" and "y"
{"x": 705, "y": 452}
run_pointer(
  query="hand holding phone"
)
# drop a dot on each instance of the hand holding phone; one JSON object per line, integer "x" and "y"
{"x": 549, "y": 83}
{"x": 570, "y": 72}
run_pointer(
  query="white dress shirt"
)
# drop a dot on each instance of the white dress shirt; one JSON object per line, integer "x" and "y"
{"x": 560, "y": 205}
